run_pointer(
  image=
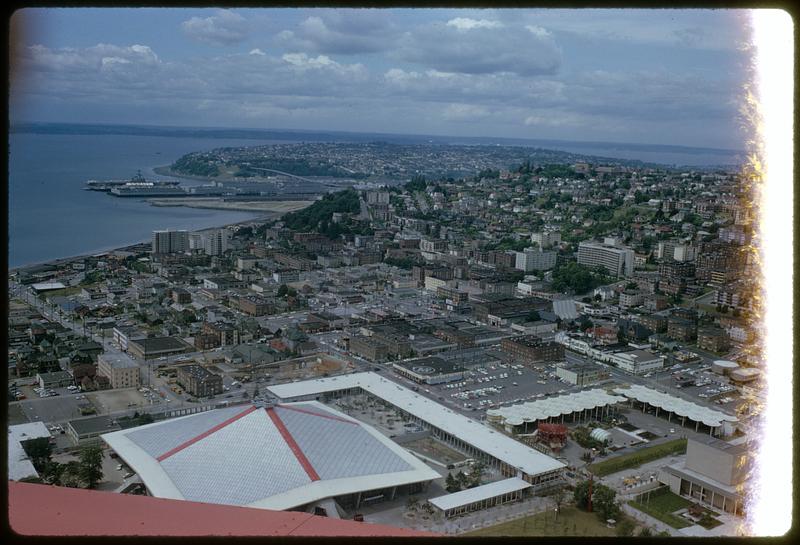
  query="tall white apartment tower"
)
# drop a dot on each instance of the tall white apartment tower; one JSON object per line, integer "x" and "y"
{"x": 216, "y": 242}
{"x": 616, "y": 259}
{"x": 170, "y": 242}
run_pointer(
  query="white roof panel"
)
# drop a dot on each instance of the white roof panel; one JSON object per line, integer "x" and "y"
{"x": 479, "y": 493}
{"x": 242, "y": 456}
{"x": 677, "y": 405}
{"x": 490, "y": 441}
{"x": 221, "y": 469}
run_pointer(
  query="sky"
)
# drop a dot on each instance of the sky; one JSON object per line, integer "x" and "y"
{"x": 671, "y": 77}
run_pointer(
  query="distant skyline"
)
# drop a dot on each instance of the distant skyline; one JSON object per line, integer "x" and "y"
{"x": 669, "y": 77}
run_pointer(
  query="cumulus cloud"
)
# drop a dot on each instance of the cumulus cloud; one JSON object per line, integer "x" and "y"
{"x": 224, "y": 28}
{"x": 465, "y": 23}
{"x": 464, "y": 112}
{"x": 361, "y": 31}
{"x": 472, "y": 46}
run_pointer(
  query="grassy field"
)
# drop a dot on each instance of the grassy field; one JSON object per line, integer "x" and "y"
{"x": 571, "y": 522}
{"x": 635, "y": 459}
{"x": 662, "y": 505}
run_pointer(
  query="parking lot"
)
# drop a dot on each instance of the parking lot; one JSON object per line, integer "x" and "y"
{"x": 53, "y": 409}
{"x": 495, "y": 385}
{"x": 109, "y": 401}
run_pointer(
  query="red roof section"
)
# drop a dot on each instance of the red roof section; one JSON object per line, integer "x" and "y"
{"x": 43, "y": 510}
{"x": 292, "y": 444}
{"x": 206, "y": 433}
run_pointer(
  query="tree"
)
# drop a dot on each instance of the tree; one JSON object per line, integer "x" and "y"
{"x": 646, "y": 532}
{"x": 283, "y": 290}
{"x": 581, "y": 494}
{"x": 625, "y": 527}
{"x": 450, "y": 484}
{"x": 71, "y": 475}
{"x": 604, "y": 501}
{"x": 91, "y": 465}
{"x": 39, "y": 451}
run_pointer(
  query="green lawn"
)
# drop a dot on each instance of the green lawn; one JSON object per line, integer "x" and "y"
{"x": 661, "y": 505}
{"x": 635, "y": 459}
{"x": 571, "y": 522}
{"x": 667, "y": 518}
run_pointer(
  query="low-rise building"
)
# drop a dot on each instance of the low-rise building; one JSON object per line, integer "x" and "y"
{"x": 156, "y": 347}
{"x": 637, "y": 362}
{"x": 581, "y": 374}
{"x": 711, "y": 474}
{"x": 532, "y": 349}
{"x": 56, "y": 379}
{"x": 120, "y": 369}
{"x": 199, "y": 381}
{"x": 431, "y": 370}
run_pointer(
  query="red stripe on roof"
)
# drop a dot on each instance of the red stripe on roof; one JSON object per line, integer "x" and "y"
{"x": 205, "y": 434}
{"x": 298, "y": 452}
{"x": 306, "y": 411}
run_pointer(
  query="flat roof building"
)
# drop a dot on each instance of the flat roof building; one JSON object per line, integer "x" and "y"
{"x": 481, "y": 497}
{"x": 431, "y": 370}
{"x": 122, "y": 370}
{"x": 616, "y": 260}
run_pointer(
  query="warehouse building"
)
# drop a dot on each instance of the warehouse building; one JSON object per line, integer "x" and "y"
{"x": 282, "y": 457}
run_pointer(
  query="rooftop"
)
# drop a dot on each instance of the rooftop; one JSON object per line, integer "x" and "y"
{"x": 118, "y": 360}
{"x": 552, "y": 407}
{"x": 35, "y": 509}
{"x": 677, "y": 405}
{"x": 285, "y": 456}
{"x": 479, "y": 493}
{"x": 474, "y": 433}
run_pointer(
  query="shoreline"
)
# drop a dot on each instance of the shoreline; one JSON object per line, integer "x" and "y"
{"x": 126, "y": 247}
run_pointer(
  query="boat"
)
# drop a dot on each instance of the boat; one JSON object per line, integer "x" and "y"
{"x": 137, "y": 182}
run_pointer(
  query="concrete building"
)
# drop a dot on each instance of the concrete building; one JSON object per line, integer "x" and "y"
{"x": 120, "y": 369}
{"x": 546, "y": 239}
{"x": 55, "y": 379}
{"x": 431, "y": 370}
{"x": 87, "y": 431}
{"x": 637, "y": 362}
{"x": 199, "y": 381}
{"x": 712, "y": 474}
{"x": 215, "y": 242}
{"x": 534, "y": 259}
{"x": 581, "y": 374}
{"x": 170, "y": 242}
{"x": 156, "y": 347}
{"x": 616, "y": 259}
{"x": 532, "y": 349}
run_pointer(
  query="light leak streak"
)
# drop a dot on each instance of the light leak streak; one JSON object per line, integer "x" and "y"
{"x": 769, "y": 502}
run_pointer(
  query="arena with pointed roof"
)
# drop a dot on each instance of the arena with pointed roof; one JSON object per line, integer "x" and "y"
{"x": 286, "y": 456}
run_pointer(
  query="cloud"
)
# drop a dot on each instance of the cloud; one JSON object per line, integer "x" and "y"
{"x": 223, "y": 29}
{"x": 465, "y": 23}
{"x": 464, "y": 112}
{"x": 472, "y": 46}
{"x": 359, "y": 32}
